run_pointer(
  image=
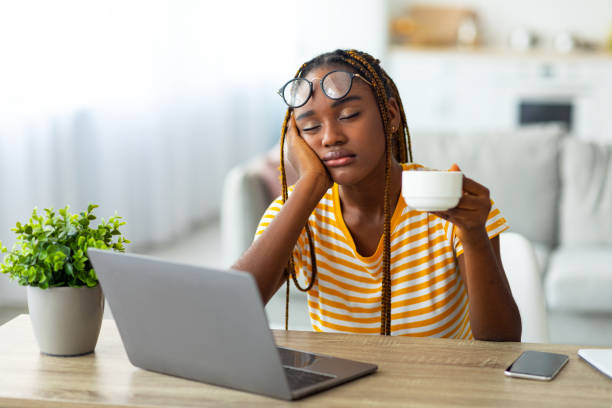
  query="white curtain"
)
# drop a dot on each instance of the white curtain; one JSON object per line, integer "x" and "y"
{"x": 142, "y": 106}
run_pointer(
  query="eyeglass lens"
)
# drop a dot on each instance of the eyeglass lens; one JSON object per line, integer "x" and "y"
{"x": 296, "y": 92}
{"x": 335, "y": 85}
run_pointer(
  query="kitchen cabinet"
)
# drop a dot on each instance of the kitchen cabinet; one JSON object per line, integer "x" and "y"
{"x": 473, "y": 90}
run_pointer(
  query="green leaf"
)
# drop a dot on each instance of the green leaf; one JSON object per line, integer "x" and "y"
{"x": 64, "y": 249}
{"x": 71, "y": 230}
{"x": 50, "y": 248}
{"x": 68, "y": 269}
{"x": 43, "y": 255}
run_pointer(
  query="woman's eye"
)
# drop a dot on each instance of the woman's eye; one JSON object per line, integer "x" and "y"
{"x": 310, "y": 128}
{"x": 351, "y": 116}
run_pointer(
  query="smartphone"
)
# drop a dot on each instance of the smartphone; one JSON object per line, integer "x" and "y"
{"x": 537, "y": 365}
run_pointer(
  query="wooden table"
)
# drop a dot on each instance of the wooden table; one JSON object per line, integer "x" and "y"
{"x": 412, "y": 372}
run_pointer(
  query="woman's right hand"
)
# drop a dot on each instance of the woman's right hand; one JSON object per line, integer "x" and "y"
{"x": 268, "y": 255}
{"x": 303, "y": 159}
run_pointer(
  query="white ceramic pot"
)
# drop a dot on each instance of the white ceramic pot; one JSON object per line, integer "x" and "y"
{"x": 66, "y": 321}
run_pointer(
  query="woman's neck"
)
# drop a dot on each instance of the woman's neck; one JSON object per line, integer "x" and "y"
{"x": 369, "y": 195}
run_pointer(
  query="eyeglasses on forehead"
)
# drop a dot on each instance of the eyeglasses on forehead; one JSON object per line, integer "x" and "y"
{"x": 335, "y": 85}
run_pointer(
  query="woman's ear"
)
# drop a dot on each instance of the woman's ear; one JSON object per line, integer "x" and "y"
{"x": 394, "y": 113}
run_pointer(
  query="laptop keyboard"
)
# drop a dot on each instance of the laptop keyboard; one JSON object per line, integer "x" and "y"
{"x": 300, "y": 378}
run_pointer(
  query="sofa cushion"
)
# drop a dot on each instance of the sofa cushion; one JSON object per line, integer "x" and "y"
{"x": 586, "y": 193}
{"x": 580, "y": 279}
{"x": 592, "y": 329}
{"x": 244, "y": 200}
{"x": 542, "y": 252}
{"x": 520, "y": 169}
{"x": 269, "y": 171}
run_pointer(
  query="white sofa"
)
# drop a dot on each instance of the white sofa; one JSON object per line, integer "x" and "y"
{"x": 553, "y": 189}
{"x": 12, "y": 299}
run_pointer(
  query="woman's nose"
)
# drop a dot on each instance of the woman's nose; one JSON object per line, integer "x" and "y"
{"x": 333, "y": 136}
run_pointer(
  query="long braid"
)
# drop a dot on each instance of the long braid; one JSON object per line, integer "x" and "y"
{"x": 285, "y": 196}
{"x": 385, "y": 328}
{"x": 403, "y": 150}
{"x": 396, "y": 143}
{"x": 289, "y": 271}
{"x": 405, "y": 143}
{"x": 283, "y": 177}
{"x": 357, "y": 60}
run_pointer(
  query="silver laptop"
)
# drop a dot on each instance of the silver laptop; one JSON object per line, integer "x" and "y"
{"x": 208, "y": 325}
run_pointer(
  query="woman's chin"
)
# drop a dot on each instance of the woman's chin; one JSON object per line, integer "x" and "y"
{"x": 343, "y": 177}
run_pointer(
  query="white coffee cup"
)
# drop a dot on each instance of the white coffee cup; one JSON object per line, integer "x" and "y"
{"x": 428, "y": 190}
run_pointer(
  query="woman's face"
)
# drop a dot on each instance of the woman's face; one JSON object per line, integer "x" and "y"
{"x": 346, "y": 134}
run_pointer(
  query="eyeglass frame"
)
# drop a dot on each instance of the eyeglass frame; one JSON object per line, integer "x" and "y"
{"x": 281, "y": 91}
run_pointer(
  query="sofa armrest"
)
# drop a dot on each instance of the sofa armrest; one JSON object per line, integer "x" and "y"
{"x": 11, "y": 293}
{"x": 522, "y": 270}
{"x": 244, "y": 200}
{"x": 13, "y": 299}
{"x": 579, "y": 280}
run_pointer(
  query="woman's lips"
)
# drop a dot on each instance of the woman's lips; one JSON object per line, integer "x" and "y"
{"x": 342, "y": 161}
{"x": 338, "y": 158}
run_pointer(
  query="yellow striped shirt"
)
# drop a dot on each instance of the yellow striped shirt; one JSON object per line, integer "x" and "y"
{"x": 428, "y": 295}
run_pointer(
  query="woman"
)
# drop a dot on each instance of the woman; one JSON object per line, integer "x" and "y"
{"x": 373, "y": 265}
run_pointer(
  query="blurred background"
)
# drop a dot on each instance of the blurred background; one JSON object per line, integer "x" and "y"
{"x": 143, "y": 107}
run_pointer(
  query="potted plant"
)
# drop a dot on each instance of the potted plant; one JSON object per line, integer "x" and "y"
{"x": 50, "y": 258}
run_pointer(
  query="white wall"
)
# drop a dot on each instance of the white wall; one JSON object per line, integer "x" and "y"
{"x": 591, "y": 19}
{"x": 142, "y": 106}
{"x": 359, "y": 24}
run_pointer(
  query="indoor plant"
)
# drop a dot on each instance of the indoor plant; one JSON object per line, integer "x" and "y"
{"x": 50, "y": 258}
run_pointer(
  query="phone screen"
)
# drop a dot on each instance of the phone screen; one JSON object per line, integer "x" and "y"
{"x": 537, "y": 364}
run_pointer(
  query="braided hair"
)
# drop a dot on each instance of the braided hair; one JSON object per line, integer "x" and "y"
{"x": 397, "y": 143}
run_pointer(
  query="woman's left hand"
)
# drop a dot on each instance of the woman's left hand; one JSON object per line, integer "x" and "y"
{"x": 494, "y": 315}
{"x": 471, "y": 213}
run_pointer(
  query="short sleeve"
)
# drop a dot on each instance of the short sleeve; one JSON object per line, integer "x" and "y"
{"x": 269, "y": 215}
{"x": 496, "y": 224}
{"x": 301, "y": 253}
